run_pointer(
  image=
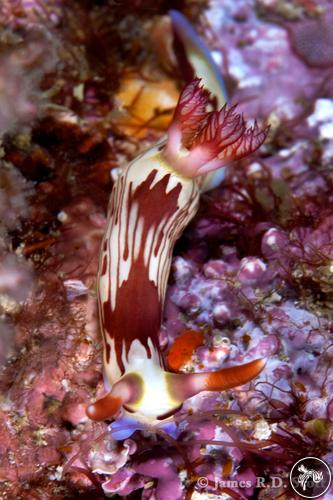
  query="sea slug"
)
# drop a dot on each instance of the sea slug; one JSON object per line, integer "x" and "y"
{"x": 152, "y": 202}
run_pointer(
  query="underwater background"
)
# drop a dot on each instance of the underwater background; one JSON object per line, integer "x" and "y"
{"x": 86, "y": 86}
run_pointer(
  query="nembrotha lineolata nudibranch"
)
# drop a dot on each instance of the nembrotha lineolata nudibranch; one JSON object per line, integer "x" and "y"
{"x": 152, "y": 202}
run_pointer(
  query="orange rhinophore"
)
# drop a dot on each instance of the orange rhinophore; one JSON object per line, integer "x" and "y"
{"x": 105, "y": 408}
{"x": 183, "y": 386}
{"x": 233, "y": 376}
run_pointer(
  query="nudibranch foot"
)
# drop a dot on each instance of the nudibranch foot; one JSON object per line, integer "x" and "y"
{"x": 127, "y": 425}
{"x": 124, "y": 427}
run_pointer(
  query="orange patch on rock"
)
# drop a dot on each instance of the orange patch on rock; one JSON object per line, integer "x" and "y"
{"x": 183, "y": 348}
{"x": 227, "y": 468}
{"x": 142, "y": 105}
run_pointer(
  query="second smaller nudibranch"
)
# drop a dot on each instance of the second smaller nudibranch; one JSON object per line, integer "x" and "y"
{"x": 153, "y": 200}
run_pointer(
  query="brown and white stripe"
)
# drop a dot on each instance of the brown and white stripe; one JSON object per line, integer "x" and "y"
{"x": 149, "y": 208}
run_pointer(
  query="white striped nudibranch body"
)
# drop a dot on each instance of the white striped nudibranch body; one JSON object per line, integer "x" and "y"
{"x": 152, "y": 201}
{"x": 149, "y": 208}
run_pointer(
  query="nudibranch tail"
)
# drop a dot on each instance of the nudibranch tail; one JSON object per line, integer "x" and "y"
{"x": 195, "y": 59}
{"x": 200, "y": 141}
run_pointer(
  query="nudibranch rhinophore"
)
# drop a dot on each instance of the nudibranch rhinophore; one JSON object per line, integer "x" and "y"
{"x": 152, "y": 202}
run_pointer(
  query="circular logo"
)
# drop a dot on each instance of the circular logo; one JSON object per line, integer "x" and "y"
{"x": 310, "y": 477}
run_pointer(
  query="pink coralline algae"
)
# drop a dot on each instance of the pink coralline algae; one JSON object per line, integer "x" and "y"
{"x": 251, "y": 277}
{"x": 15, "y": 272}
{"x": 318, "y": 52}
{"x": 24, "y": 60}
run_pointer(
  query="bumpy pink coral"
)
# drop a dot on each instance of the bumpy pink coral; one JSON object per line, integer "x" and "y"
{"x": 200, "y": 140}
